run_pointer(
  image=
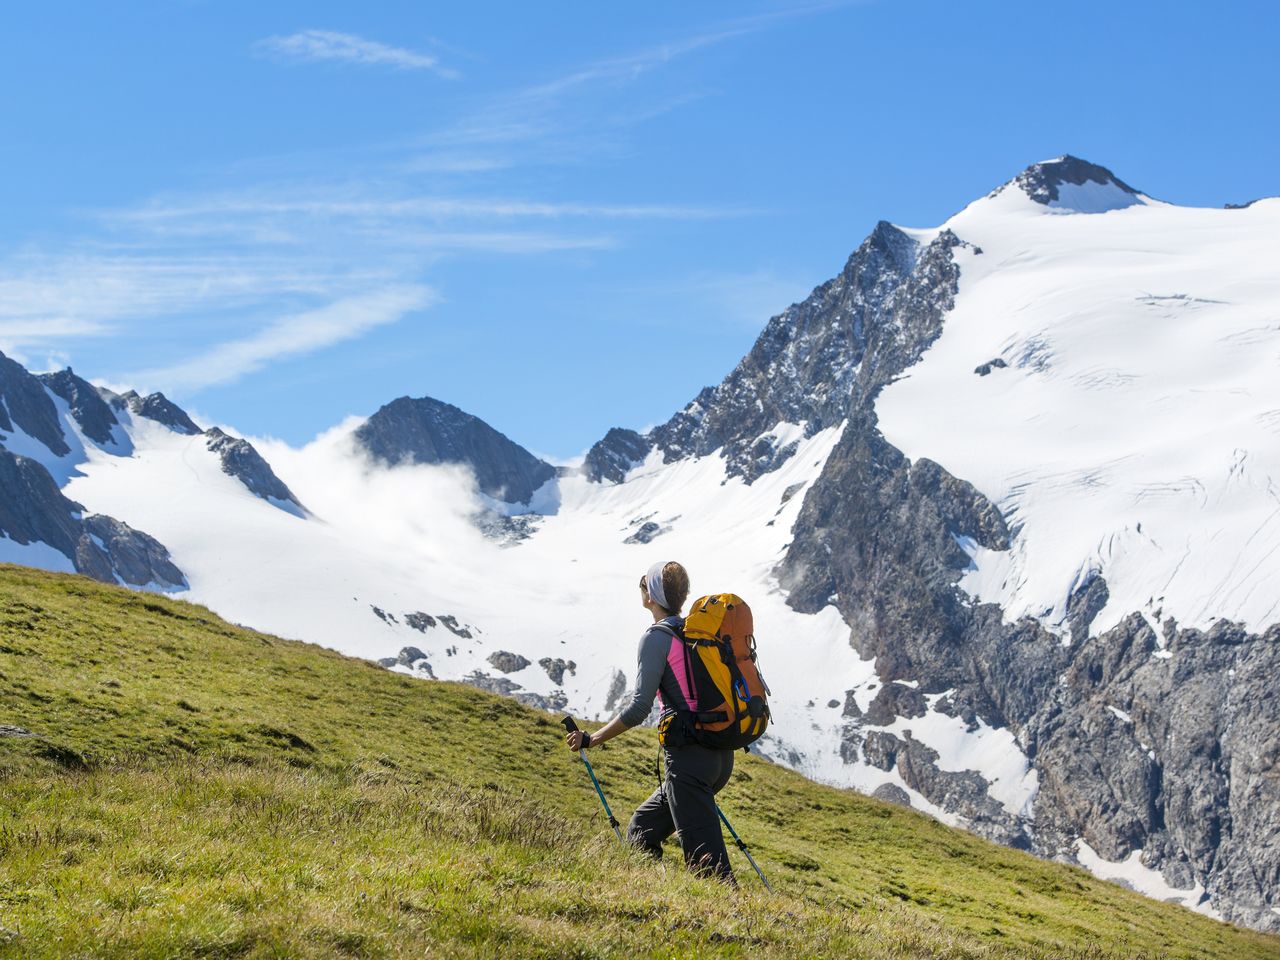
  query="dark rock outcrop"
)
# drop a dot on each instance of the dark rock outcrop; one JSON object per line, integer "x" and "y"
{"x": 617, "y": 694}
{"x": 646, "y": 532}
{"x": 429, "y": 431}
{"x": 422, "y": 622}
{"x": 90, "y": 411}
{"x": 983, "y": 369}
{"x": 1041, "y": 181}
{"x": 610, "y": 459}
{"x": 134, "y": 557}
{"x": 387, "y": 618}
{"x": 506, "y": 662}
{"x": 28, "y": 408}
{"x": 242, "y": 461}
{"x": 554, "y": 702}
{"x": 556, "y": 668}
{"x": 408, "y": 656}
{"x": 33, "y": 510}
{"x": 158, "y": 407}
{"x": 803, "y": 368}
{"x": 483, "y": 681}
{"x": 894, "y": 700}
{"x": 451, "y": 624}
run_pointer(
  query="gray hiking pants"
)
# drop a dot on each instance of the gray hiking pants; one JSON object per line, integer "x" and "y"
{"x": 685, "y": 802}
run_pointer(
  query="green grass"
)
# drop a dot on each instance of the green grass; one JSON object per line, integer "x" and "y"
{"x": 201, "y": 790}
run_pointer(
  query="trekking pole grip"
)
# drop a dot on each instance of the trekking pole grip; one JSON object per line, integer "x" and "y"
{"x": 569, "y": 725}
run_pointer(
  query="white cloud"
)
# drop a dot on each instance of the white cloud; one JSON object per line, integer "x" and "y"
{"x": 325, "y": 203}
{"x": 290, "y": 336}
{"x": 421, "y": 510}
{"x": 319, "y": 45}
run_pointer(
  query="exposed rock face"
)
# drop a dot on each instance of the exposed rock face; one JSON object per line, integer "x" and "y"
{"x": 158, "y": 407}
{"x": 983, "y": 369}
{"x": 1041, "y": 181}
{"x": 242, "y": 461}
{"x": 33, "y": 509}
{"x": 556, "y": 668}
{"x": 1172, "y": 751}
{"x": 804, "y": 367}
{"x": 617, "y": 694}
{"x": 451, "y": 624}
{"x": 409, "y": 656}
{"x": 506, "y": 662}
{"x": 136, "y": 558}
{"x": 645, "y": 532}
{"x": 28, "y": 408}
{"x": 556, "y": 700}
{"x": 483, "y": 681}
{"x": 429, "y": 431}
{"x": 422, "y": 622}
{"x": 610, "y": 459}
{"x": 91, "y": 412}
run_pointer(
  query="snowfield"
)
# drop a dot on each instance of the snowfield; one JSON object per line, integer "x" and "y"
{"x": 1134, "y": 432}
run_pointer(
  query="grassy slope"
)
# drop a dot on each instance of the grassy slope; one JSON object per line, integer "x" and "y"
{"x": 198, "y": 789}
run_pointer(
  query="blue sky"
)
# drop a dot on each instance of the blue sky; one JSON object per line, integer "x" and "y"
{"x": 558, "y": 217}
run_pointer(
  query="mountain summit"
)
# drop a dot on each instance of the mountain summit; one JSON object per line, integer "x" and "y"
{"x": 430, "y": 431}
{"x": 1069, "y": 183}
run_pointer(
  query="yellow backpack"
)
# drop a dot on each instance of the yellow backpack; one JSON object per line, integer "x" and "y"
{"x": 714, "y": 659}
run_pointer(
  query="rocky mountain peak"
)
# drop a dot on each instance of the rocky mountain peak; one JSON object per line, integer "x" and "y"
{"x": 1043, "y": 182}
{"x": 805, "y": 366}
{"x": 91, "y": 412}
{"x": 426, "y": 430}
{"x": 157, "y": 407}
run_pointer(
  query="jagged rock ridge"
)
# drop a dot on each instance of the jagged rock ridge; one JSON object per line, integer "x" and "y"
{"x": 33, "y": 510}
{"x": 240, "y": 460}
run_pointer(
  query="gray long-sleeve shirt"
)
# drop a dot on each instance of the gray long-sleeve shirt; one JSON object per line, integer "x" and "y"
{"x": 654, "y": 673}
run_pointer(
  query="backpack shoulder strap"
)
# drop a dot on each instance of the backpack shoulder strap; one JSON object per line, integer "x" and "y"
{"x": 670, "y": 626}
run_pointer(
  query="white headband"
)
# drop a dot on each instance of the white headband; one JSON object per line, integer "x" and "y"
{"x": 653, "y": 581}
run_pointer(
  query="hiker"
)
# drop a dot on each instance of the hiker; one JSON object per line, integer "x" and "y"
{"x": 685, "y": 800}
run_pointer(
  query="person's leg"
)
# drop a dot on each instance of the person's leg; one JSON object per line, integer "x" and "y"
{"x": 725, "y": 771}
{"x": 694, "y": 774}
{"x": 652, "y": 823}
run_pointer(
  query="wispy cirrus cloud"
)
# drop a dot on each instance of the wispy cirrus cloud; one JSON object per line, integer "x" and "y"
{"x": 290, "y": 336}
{"x": 336, "y": 204}
{"x": 228, "y": 282}
{"x": 311, "y": 46}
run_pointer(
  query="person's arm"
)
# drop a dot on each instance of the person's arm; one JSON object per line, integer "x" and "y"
{"x": 652, "y": 658}
{"x": 607, "y": 732}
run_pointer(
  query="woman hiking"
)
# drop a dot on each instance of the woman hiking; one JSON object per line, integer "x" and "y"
{"x": 685, "y": 801}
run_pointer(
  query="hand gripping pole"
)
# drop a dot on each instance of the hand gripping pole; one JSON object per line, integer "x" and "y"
{"x": 570, "y": 726}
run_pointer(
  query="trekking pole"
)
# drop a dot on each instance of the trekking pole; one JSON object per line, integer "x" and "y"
{"x": 570, "y": 726}
{"x": 743, "y": 847}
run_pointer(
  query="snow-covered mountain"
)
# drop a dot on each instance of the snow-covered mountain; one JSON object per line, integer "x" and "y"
{"x": 1001, "y": 495}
